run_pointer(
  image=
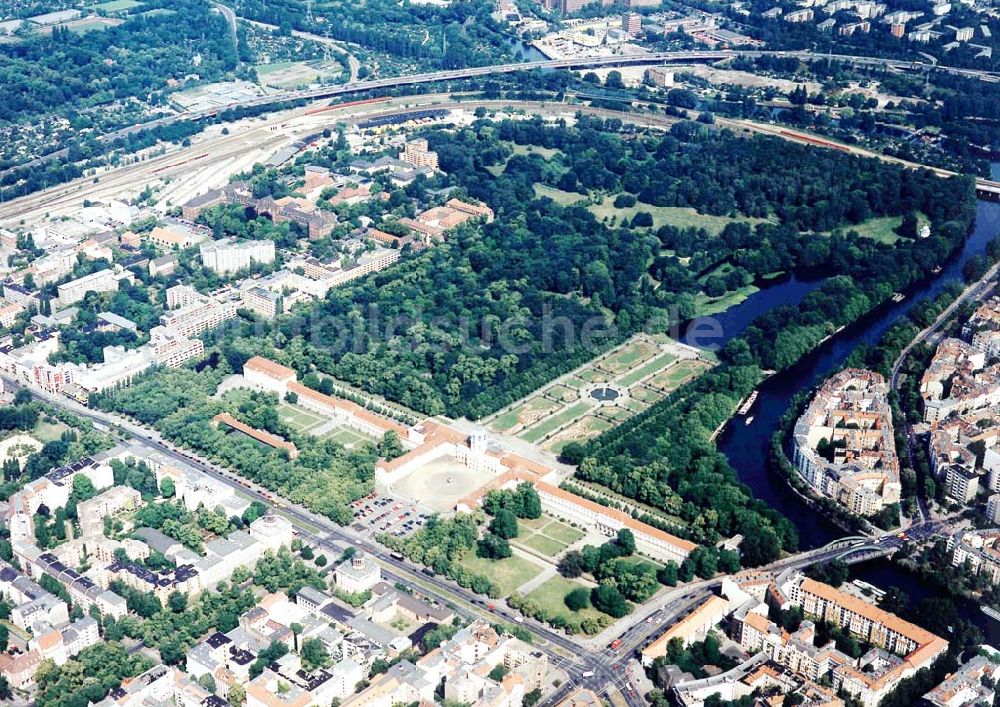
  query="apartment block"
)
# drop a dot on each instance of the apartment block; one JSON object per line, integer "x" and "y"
{"x": 979, "y": 550}
{"x": 100, "y": 281}
{"x": 261, "y": 301}
{"x": 632, "y": 23}
{"x": 228, "y": 255}
{"x": 844, "y": 446}
{"x": 900, "y": 648}
{"x": 969, "y": 685}
{"x": 9, "y": 314}
{"x": 962, "y": 483}
{"x": 417, "y": 153}
{"x": 195, "y": 312}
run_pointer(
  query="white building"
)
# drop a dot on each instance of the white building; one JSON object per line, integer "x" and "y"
{"x": 195, "y": 313}
{"x": 101, "y": 281}
{"x": 357, "y": 574}
{"x": 993, "y": 508}
{"x": 228, "y": 255}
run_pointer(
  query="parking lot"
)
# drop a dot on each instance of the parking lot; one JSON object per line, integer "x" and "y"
{"x": 382, "y": 513}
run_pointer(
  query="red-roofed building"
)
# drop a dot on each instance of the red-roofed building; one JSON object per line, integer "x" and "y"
{"x": 262, "y": 436}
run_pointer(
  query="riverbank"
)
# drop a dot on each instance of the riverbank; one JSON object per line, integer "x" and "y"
{"x": 748, "y": 446}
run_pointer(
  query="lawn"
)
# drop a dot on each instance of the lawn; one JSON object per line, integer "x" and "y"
{"x": 508, "y": 574}
{"x": 265, "y": 69}
{"x": 581, "y": 429}
{"x": 554, "y": 422}
{"x": 545, "y": 152}
{"x": 562, "y": 532}
{"x": 92, "y": 24}
{"x": 542, "y": 544}
{"x": 547, "y": 536}
{"x": 639, "y": 560}
{"x": 883, "y": 228}
{"x": 236, "y": 395}
{"x": 705, "y": 306}
{"x": 525, "y": 414}
{"x": 636, "y": 405}
{"x": 346, "y": 437}
{"x": 563, "y": 198}
{"x": 506, "y": 421}
{"x": 677, "y": 374}
{"x": 117, "y": 6}
{"x": 307, "y": 422}
{"x": 533, "y": 523}
{"x": 48, "y": 431}
{"x": 617, "y": 413}
{"x": 550, "y": 594}
{"x": 645, "y": 394}
{"x": 562, "y": 392}
{"x": 299, "y": 418}
{"x": 628, "y": 356}
{"x": 589, "y": 375}
{"x": 679, "y": 216}
{"x": 647, "y": 369}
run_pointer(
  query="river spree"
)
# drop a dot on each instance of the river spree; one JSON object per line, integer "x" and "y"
{"x": 746, "y": 446}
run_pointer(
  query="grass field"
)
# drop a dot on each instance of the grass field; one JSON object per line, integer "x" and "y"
{"x": 307, "y": 422}
{"x": 589, "y": 375}
{"x": 563, "y": 198}
{"x": 631, "y": 354}
{"x": 705, "y": 306}
{"x": 636, "y": 406}
{"x": 117, "y": 6}
{"x": 526, "y": 414}
{"x": 564, "y": 412}
{"x": 533, "y": 523}
{"x": 617, "y": 413}
{"x": 48, "y": 431}
{"x": 679, "y": 216}
{"x": 562, "y": 532}
{"x": 554, "y": 422}
{"x": 508, "y": 574}
{"x": 647, "y": 369}
{"x": 550, "y": 594}
{"x": 91, "y": 24}
{"x": 882, "y": 229}
{"x": 265, "y": 69}
{"x": 676, "y": 375}
{"x": 645, "y": 395}
{"x": 546, "y": 152}
{"x": 562, "y": 392}
{"x": 584, "y": 428}
{"x": 291, "y": 74}
{"x": 345, "y": 437}
{"x": 545, "y": 546}
{"x": 299, "y": 418}
{"x": 547, "y": 536}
